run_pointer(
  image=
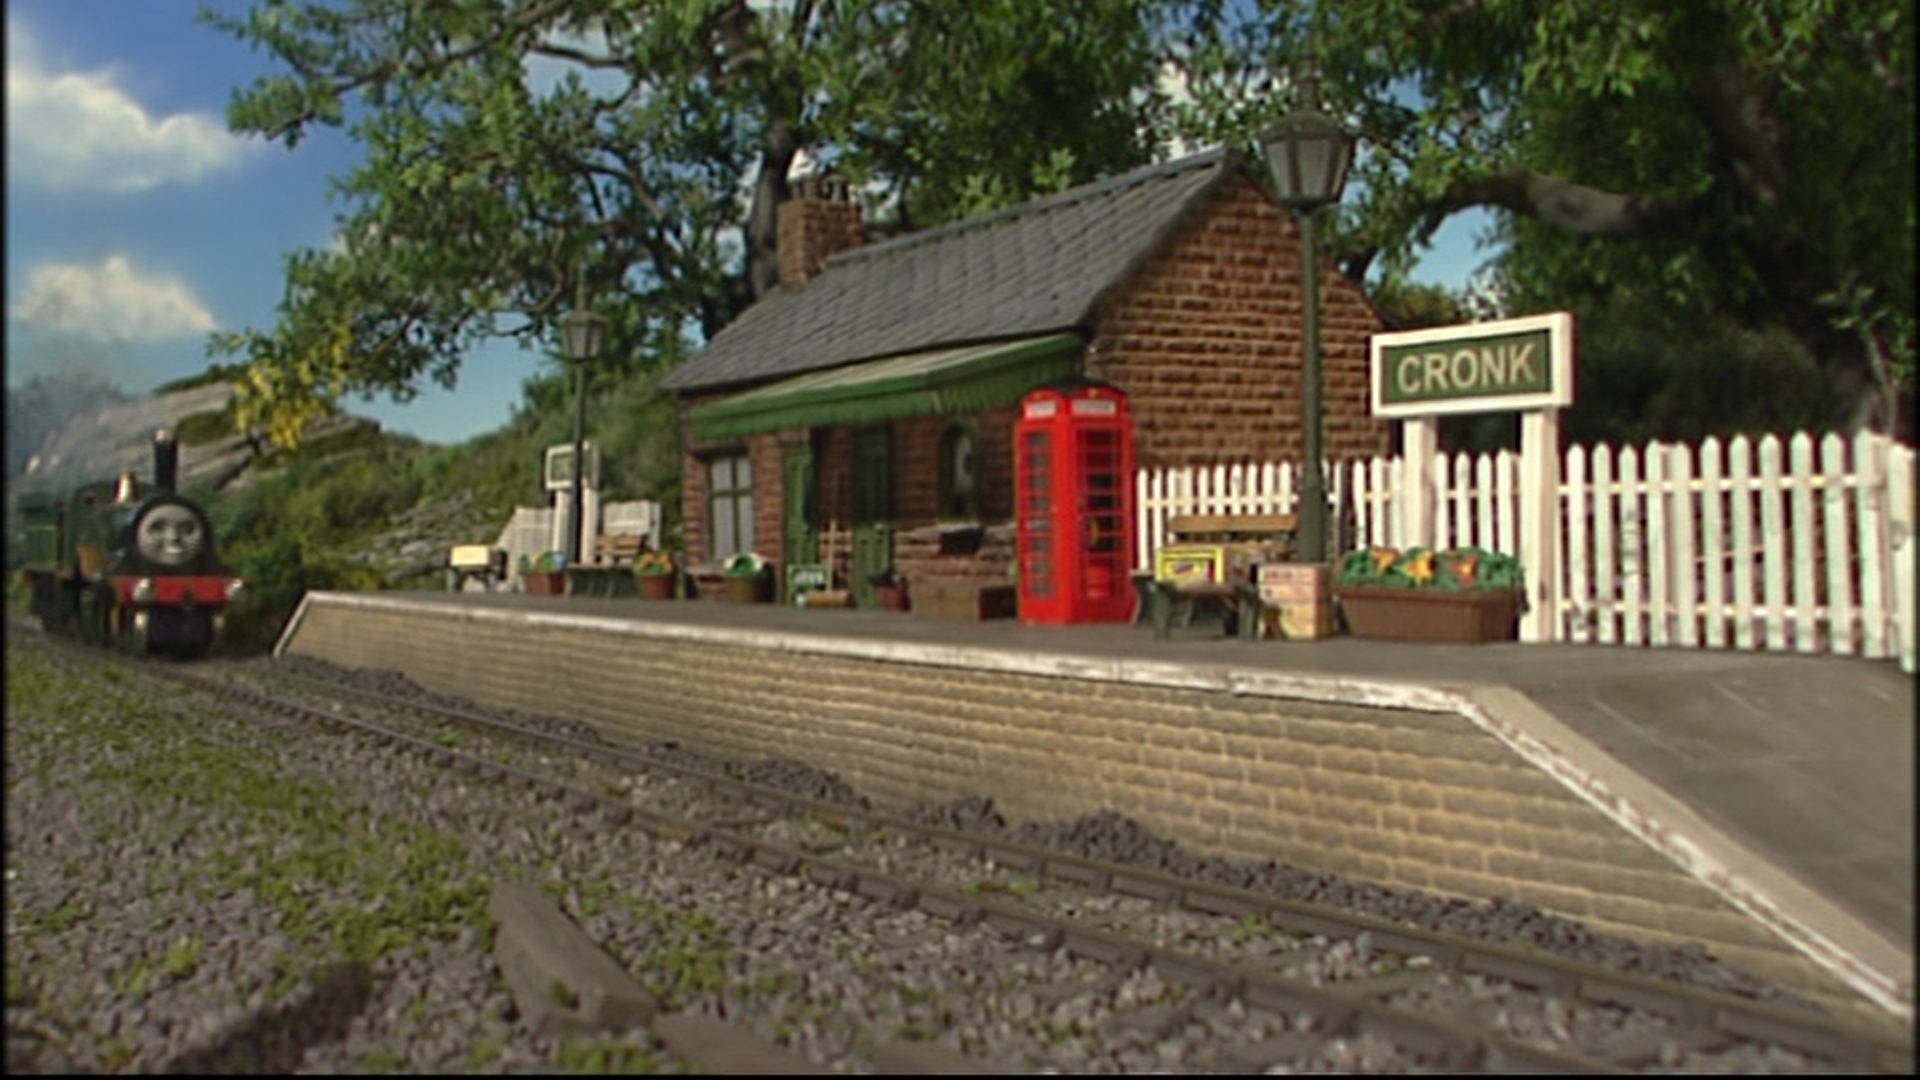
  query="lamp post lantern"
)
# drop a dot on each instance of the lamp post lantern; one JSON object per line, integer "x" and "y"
{"x": 581, "y": 333}
{"x": 1309, "y": 153}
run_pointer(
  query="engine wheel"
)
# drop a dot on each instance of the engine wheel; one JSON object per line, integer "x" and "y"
{"x": 95, "y": 627}
{"x": 132, "y": 639}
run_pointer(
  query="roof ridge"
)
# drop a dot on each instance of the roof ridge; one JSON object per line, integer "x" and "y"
{"x": 1209, "y": 158}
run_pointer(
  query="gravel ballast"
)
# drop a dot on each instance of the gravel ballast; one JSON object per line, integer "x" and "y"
{"x": 193, "y": 891}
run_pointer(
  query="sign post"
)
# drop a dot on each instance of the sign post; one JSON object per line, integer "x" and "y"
{"x": 558, "y": 479}
{"x": 1523, "y": 364}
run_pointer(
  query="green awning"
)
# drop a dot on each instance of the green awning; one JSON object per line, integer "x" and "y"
{"x": 939, "y": 383}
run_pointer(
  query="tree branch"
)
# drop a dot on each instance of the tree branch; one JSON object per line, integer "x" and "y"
{"x": 1575, "y": 207}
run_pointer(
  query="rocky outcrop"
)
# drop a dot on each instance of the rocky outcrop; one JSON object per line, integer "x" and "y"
{"x": 119, "y": 438}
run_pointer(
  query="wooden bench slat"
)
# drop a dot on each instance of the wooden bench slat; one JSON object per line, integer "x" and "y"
{"x": 1232, "y": 523}
{"x": 619, "y": 547}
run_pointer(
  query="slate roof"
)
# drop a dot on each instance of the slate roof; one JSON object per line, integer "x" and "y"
{"x": 1036, "y": 268}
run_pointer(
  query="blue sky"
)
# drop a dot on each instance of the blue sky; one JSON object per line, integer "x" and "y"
{"x": 137, "y": 224}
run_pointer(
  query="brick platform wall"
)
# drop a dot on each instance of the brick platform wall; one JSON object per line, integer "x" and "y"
{"x": 1424, "y": 800}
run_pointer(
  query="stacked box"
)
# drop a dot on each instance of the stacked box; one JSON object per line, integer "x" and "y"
{"x": 1296, "y": 601}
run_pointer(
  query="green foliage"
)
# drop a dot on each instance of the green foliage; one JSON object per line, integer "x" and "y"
{"x": 745, "y": 564}
{"x": 1745, "y": 160}
{"x": 581, "y": 1056}
{"x": 1408, "y": 305}
{"x": 1423, "y": 568}
{"x": 215, "y": 373}
{"x": 1644, "y": 373}
{"x": 205, "y": 427}
{"x": 485, "y": 195}
{"x": 546, "y": 562}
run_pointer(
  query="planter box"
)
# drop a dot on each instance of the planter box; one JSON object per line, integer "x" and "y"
{"x": 748, "y": 588}
{"x": 1439, "y": 615}
{"x": 656, "y": 586}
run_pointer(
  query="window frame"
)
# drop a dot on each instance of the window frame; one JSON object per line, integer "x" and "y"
{"x": 736, "y": 498}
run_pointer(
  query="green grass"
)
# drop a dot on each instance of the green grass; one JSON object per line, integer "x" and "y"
{"x": 600, "y": 1057}
{"x": 414, "y": 884}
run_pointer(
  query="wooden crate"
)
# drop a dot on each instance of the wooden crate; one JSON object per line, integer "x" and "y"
{"x": 1296, "y": 602}
{"x": 968, "y": 600}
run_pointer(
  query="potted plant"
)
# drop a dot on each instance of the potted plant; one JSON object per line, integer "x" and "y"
{"x": 545, "y": 574}
{"x": 654, "y": 571}
{"x": 746, "y": 579}
{"x": 1459, "y": 595}
{"x": 889, "y": 590}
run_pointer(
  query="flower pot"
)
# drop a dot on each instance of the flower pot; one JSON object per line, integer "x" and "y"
{"x": 1434, "y": 615}
{"x": 655, "y": 586}
{"x": 545, "y": 582}
{"x": 890, "y": 597}
{"x": 748, "y": 588}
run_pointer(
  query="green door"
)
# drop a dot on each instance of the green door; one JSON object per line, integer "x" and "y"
{"x": 872, "y": 505}
{"x": 800, "y": 536}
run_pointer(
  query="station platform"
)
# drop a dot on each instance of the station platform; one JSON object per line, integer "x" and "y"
{"x": 1782, "y": 783}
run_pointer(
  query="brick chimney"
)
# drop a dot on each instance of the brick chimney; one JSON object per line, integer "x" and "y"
{"x": 820, "y": 220}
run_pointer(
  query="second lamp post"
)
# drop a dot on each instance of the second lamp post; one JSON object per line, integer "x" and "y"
{"x": 1309, "y": 153}
{"x": 581, "y": 333}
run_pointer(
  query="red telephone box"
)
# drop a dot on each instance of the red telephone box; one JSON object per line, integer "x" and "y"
{"x": 1073, "y": 485}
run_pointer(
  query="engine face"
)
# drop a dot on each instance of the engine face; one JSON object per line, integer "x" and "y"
{"x": 169, "y": 534}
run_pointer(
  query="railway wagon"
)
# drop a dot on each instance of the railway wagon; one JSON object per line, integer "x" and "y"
{"x": 126, "y": 566}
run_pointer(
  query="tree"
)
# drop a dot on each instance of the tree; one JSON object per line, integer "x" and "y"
{"x": 1752, "y": 158}
{"x": 651, "y": 168}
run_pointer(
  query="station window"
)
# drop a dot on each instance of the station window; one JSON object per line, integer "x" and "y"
{"x": 729, "y": 505}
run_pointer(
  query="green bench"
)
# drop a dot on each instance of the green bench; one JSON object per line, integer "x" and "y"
{"x": 611, "y": 575}
{"x": 1174, "y": 603}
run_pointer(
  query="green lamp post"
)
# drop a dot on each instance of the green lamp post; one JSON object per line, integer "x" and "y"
{"x": 581, "y": 334}
{"x": 1309, "y": 153}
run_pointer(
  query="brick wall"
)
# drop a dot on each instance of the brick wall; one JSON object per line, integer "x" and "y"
{"x": 1206, "y": 340}
{"x": 818, "y": 221}
{"x": 1410, "y": 799}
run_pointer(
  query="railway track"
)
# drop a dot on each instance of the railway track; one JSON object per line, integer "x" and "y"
{"x": 1420, "y": 995}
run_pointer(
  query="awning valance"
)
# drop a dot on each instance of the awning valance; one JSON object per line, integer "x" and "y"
{"x": 936, "y": 383}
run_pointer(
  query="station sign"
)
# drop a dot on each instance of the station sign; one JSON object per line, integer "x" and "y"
{"x": 559, "y": 466}
{"x": 1507, "y": 365}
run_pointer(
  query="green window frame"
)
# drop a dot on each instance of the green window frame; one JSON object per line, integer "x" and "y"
{"x": 729, "y": 505}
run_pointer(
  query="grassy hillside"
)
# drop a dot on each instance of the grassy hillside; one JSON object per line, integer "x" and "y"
{"x": 367, "y": 510}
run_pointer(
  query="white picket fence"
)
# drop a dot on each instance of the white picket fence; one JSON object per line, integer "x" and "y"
{"x": 1774, "y": 544}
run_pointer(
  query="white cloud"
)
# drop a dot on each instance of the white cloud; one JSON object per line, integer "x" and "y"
{"x": 111, "y": 301}
{"x": 78, "y": 130}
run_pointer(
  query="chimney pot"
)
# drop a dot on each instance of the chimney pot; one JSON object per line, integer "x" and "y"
{"x": 819, "y": 221}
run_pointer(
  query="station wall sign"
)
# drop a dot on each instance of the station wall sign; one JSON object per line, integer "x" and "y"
{"x": 1511, "y": 364}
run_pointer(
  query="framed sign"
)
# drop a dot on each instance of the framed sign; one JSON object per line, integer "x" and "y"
{"x": 560, "y": 466}
{"x": 1508, "y": 365}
